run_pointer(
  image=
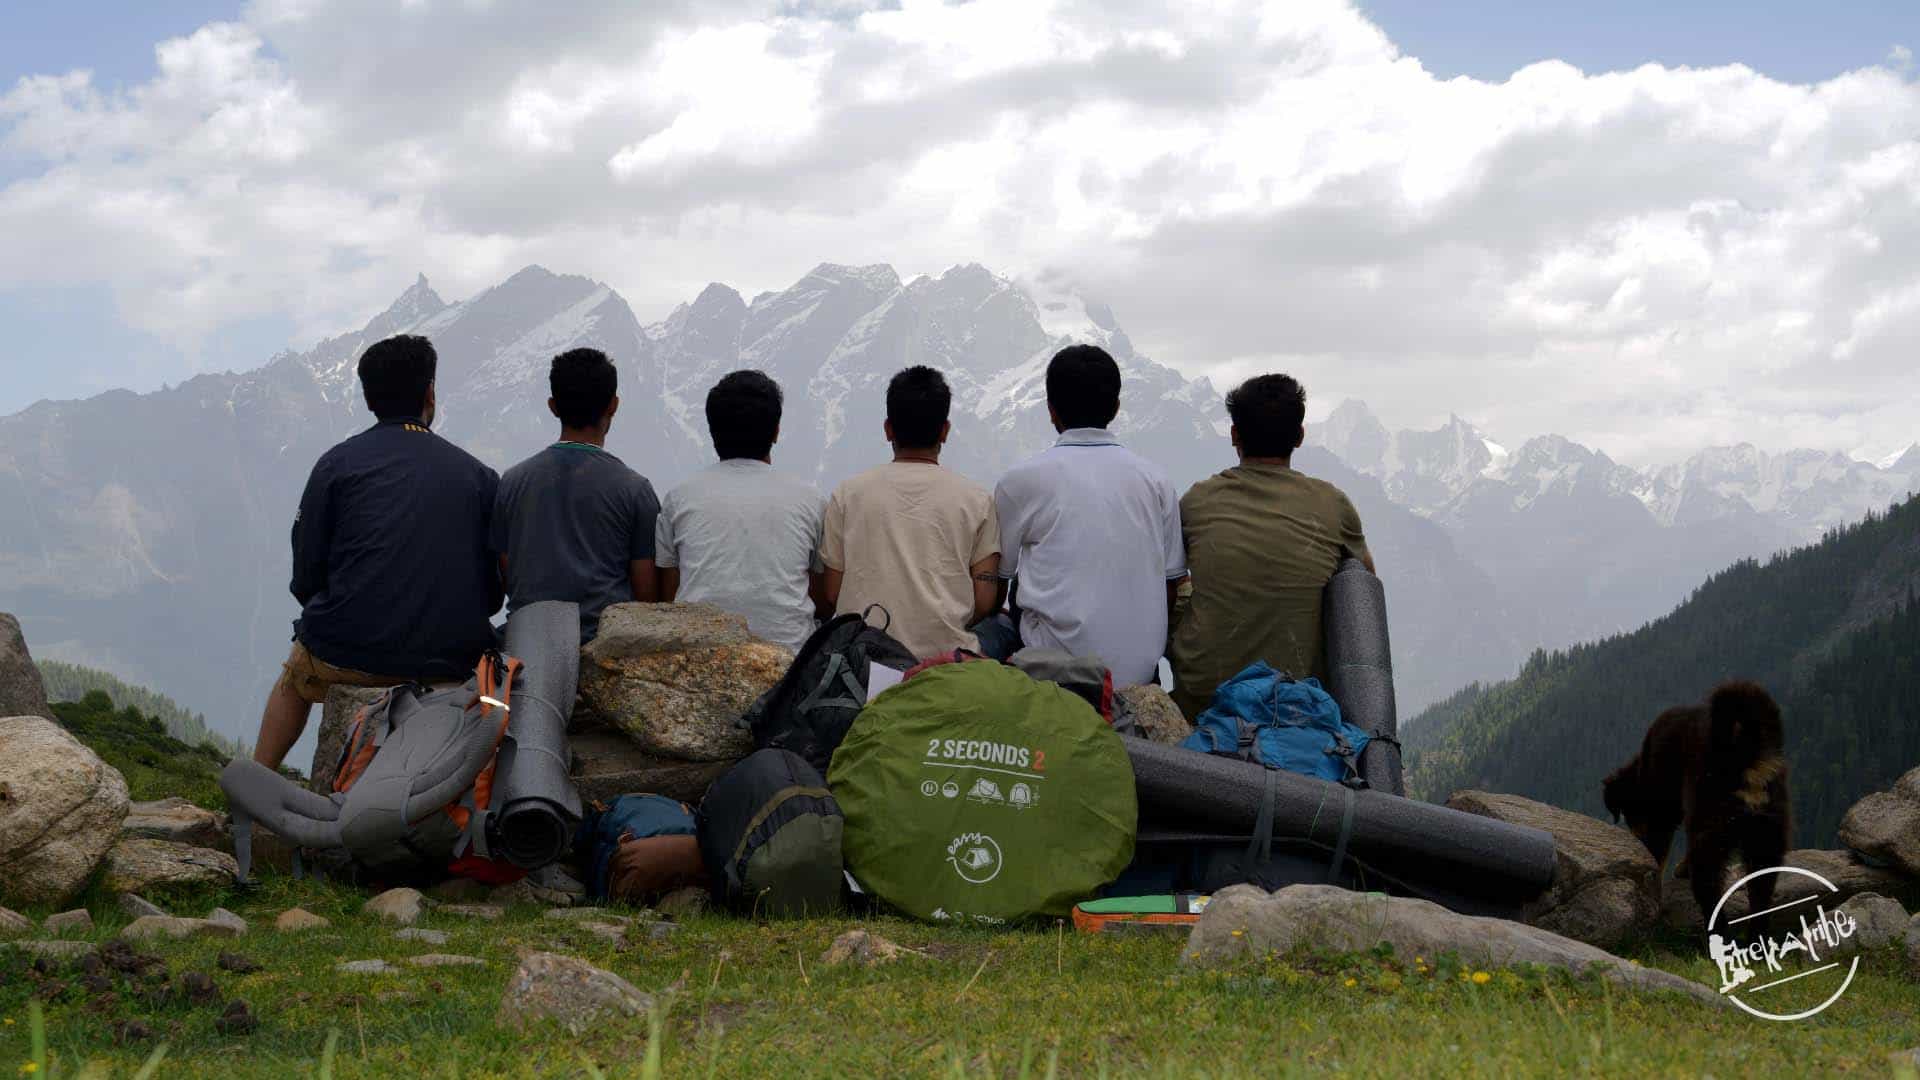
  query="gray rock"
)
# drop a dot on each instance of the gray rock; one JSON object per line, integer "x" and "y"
{"x": 864, "y": 948}
{"x": 336, "y": 723}
{"x": 428, "y": 937}
{"x": 169, "y": 927}
{"x": 60, "y": 811}
{"x": 487, "y": 912}
{"x": 610, "y": 932}
{"x": 179, "y": 821}
{"x": 77, "y": 921}
{"x": 51, "y": 950}
{"x": 607, "y": 764}
{"x": 662, "y": 931}
{"x": 1848, "y": 874}
{"x": 675, "y": 677}
{"x": 14, "y": 924}
{"x": 222, "y": 917}
{"x": 294, "y": 920}
{"x": 402, "y": 906}
{"x": 568, "y": 991}
{"x": 1885, "y": 826}
{"x": 1246, "y": 921}
{"x": 364, "y": 967}
{"x": 433, "y": 960}
{"x": 1904, "y": 1059}
{"x": 1879, "y": 921}
{"x": 685, "y": 903}
{"x": 133, "y": 905}
{"x": 1605, "y": 888}
{"x": 139, "y": 866}
{"x": 1155, "y": 714}
{"x": 22, "y": 693}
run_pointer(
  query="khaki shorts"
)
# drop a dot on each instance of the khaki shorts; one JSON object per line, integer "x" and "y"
{"x": 311, "y": 677}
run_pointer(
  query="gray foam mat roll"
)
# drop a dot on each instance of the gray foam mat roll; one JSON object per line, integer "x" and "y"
{"x": 1415, "y": 840}
{"x": 536, "y": 805}
{"x": 1360, "y": 669}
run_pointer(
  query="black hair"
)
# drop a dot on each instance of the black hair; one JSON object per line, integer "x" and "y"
{"x": 396, "y": 374}
{"x": 743, "y": 415}
{"x": 918, "y": 400}
{"x": 583, "y": 382}
{"x": 1269, "y": 412}
{"x": 1083, "y": 386}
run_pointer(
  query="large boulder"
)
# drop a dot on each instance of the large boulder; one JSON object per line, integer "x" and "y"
{"x": 1847, "y": 873}
{"x": 22, "y": 693}
{"x": 141, "y": 866}
{"x": 676, "y": 677}
{"x": 608, "y": 764}
{"x": 1885, "y": 826}
{"x": 1155, "y": 714}
{"x": 1605, "y": 888}
{"x": 1247, "y": 921}
{"x": 177, "y": 820}
{"x": 60, "y": 811}
{"x": 1878, "y": 921}
{"x": 1913, "y": 948}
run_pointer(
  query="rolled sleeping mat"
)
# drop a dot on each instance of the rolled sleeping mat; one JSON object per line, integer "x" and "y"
{"x": 1402, "y": 837}
{"x": 535, "y": 805}
{"x": 1360, "y": 669}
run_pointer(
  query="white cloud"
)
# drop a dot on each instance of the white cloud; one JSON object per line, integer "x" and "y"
{"x": 1649, "y": 259}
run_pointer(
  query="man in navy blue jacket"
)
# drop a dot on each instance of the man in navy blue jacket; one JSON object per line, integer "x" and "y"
{"x": 390, "y": 559}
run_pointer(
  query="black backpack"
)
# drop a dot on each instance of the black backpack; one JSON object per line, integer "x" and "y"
{"x": 810, "y": 709}
{"x": 770, "y": 835}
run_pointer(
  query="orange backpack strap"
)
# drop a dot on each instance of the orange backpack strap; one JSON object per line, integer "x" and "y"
{"x": 362, "y": 743}
{"x": 493, "y": 682}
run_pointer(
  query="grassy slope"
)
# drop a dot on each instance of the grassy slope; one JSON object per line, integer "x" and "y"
{"x": 1114, "y": 1005}
{"x": 72, "y": 682}
{"x": 154, "y": 763}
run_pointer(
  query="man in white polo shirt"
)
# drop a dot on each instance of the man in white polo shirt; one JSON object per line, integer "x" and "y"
{"x": 1090, "y": 532}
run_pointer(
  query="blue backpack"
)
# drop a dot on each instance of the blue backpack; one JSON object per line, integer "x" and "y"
{"x": 1264, "y": 716}
{"x": 630, "y": 818}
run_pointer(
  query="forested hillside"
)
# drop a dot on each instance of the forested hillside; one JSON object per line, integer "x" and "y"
{"x": 155, "y": 764}
{"x": 72, "y": 682}
{"x": 1833, "y": 630}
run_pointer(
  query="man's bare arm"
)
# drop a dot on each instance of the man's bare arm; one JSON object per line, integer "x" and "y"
{"x": 669, "y": 584}
{"x": 643, "y": 580}
{"x": 989, "y": 588}
{"x": 817, "y": 592}
{"x": 830, "y": 585}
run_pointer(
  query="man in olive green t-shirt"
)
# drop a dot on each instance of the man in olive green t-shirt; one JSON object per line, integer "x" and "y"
{"x": 1262, "y": 542}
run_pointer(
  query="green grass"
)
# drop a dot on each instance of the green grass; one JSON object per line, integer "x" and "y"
{"x": 155, "y": 764}
{"x": 748, "y": 999}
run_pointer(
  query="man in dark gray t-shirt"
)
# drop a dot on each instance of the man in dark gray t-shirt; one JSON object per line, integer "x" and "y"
{"x": 572, "y": 522}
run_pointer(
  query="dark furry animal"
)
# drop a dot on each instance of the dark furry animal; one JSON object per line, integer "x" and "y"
{"x": 1718, "y": 770}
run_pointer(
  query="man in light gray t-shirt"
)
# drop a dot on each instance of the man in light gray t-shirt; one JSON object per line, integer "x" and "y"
{"x": 738, "y": 534}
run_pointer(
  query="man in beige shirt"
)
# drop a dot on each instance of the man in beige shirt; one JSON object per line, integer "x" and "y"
{"x": 917, "y": 538}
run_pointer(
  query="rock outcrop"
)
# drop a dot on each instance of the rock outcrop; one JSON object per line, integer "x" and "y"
{"x": 1247, "y": 921}
{"x": 22, "y": 692}
{"x": 1885, "y": 826}
{"x": 178, "y": 821}
{"x": 60, "y": 811}
{"x": 1155, "y": 714}
{"x": 1605, "y": 885}
{"x": 676, "y": 677}
{"x": 142, "y": 866}
{"x": 1878, "y": 921}
{"x": 608, "y": 764}
{"x": 1847, "y": 873}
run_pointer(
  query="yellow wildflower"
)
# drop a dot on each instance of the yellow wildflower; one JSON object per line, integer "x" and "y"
{"x": 1353, "y": 982}
{"x": 29, "y": 1068}
{"x": 1481, "y": 978}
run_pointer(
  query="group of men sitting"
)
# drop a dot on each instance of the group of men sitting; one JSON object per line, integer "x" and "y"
{"x": 405, "y": 546}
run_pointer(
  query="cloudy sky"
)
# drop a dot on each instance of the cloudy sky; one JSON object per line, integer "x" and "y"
{"x": 1648, "y": 229}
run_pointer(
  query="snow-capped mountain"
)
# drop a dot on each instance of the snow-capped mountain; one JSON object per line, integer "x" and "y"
{"x": 151, "y": 532}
